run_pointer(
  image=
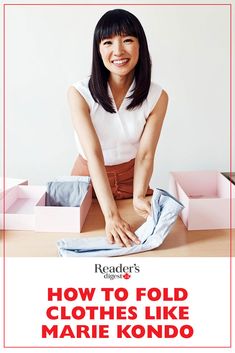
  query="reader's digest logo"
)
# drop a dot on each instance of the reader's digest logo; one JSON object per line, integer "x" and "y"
{"x": 115, "y": 272}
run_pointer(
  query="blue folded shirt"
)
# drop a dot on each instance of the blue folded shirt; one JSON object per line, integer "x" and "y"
{"x": 164, "y": 208}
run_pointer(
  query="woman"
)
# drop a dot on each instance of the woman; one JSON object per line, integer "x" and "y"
{"x": 117, "y": 115}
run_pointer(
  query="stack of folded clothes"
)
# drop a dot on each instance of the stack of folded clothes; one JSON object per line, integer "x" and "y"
{"x": 165, "y": 209}
{"x": 67, "y": 191}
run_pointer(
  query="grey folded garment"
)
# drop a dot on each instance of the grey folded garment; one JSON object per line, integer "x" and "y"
{"x": 165, "y": 209}
{"x": 67, "y": 191}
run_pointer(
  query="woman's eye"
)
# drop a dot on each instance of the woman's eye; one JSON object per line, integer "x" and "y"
{"x": 107, "y": 42}
{"x": 128, "y": 40}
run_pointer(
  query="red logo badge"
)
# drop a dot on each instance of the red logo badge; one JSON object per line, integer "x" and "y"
{"x": 126, "y": 276}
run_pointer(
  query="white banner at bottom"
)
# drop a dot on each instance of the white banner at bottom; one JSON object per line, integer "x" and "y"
{"x": 117, "y": 302}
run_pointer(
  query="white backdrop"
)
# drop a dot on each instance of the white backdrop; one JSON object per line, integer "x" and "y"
{"x": 49, "y": 47}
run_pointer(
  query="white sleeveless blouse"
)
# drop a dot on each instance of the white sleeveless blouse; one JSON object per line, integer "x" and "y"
{"x": 119, "y": 133}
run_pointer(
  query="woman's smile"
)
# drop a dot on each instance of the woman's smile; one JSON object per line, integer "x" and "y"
{"x": 120, "y": 62}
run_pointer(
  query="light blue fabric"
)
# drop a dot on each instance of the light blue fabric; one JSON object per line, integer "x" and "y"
{"x": 67, "y": 191}
{"x": 165, "y": 209}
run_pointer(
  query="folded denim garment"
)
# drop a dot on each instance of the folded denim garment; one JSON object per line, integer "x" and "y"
{"x": 67, "y": 191}
{"x": 164, "y": 208}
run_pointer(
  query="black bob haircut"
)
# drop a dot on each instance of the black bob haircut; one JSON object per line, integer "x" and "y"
{"x": 119, "y": 22}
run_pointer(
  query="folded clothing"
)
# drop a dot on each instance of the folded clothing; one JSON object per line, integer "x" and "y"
{"x": 67, "y": 191}
{"x": 164, "y": 211}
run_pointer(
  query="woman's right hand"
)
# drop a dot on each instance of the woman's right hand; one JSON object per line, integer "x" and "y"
{"x": 119, "y": 232}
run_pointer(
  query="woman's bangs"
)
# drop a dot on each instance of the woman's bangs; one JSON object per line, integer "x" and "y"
{"x": 116, "y": 29}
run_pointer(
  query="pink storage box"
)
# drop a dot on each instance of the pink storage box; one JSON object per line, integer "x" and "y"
{"x": 62, "y": 219}
{"x": 20, "y": 203}
{"x": 206, "y": 197}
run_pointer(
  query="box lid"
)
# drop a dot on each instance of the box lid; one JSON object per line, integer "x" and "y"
{"x": 11, "y": 182}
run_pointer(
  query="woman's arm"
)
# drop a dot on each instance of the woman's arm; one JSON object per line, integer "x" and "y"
{"x": 145, "y": 156}
{"x": 117, "y": 229}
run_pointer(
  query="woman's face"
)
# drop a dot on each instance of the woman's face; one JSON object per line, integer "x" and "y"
{"x": 120, "y": 54}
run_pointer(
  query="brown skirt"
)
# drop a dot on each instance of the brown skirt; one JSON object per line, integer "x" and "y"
{"x": 120, "y": 177}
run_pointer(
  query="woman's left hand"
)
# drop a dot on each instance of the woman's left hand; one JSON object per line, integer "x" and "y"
{"x": 142, "y": 206}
